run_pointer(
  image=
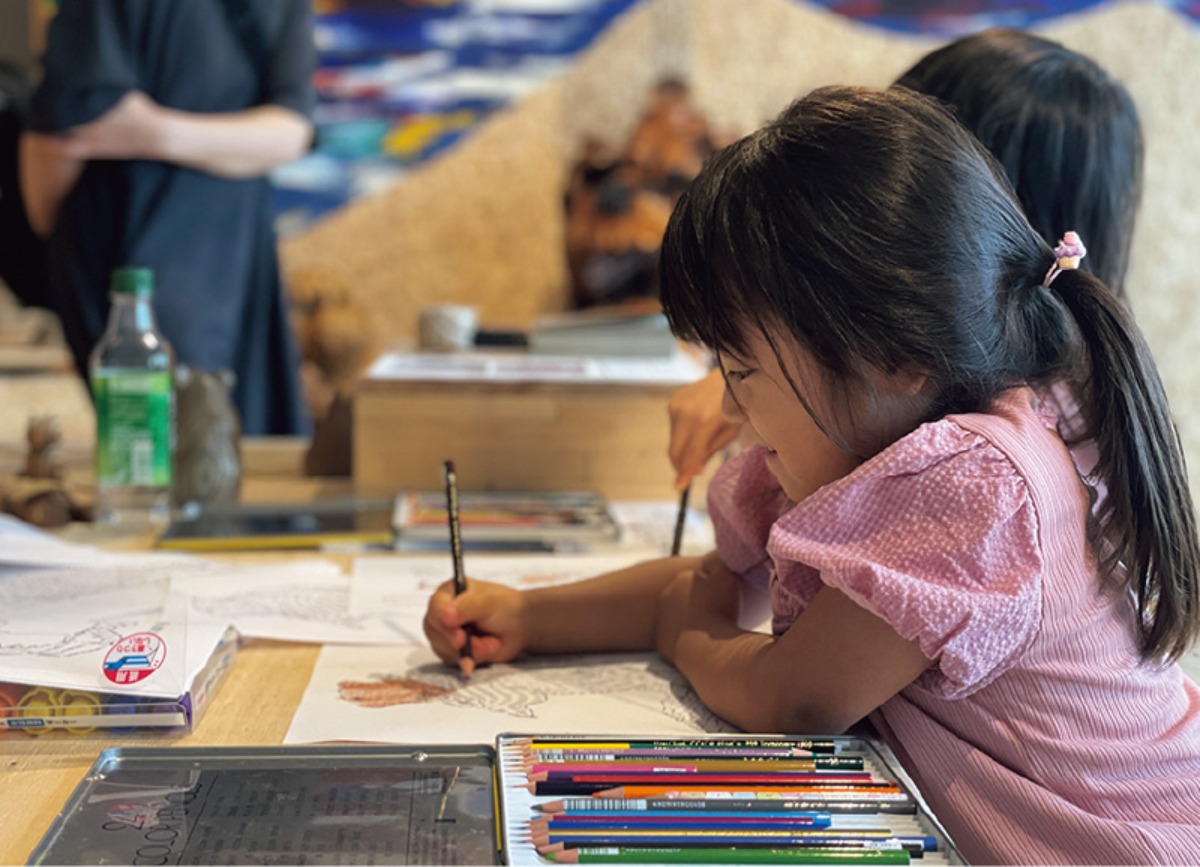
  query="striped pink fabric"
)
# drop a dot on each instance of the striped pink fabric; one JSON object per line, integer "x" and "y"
{"x": 1037, "y": 737}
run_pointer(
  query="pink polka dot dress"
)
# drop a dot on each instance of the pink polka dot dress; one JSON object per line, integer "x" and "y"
{"x": 1036, "y": 736}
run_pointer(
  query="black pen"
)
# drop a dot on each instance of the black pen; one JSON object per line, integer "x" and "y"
{"x": 677, "y": 542}
{"x": 466, "y": 661}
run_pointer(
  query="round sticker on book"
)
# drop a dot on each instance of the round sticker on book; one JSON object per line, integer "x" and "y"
{"x": 135, "y": 657}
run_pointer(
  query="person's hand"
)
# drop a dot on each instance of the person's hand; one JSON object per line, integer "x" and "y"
{"x": 696, "y": 599}
{"x": 492, "y": 611}
{"x": 131, "y": 129}
{"x": 698, "y": 429}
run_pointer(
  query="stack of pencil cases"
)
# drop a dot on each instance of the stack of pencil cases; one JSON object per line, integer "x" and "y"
{"x": 710, "y": 801}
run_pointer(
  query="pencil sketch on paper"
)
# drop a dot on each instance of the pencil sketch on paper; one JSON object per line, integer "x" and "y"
{"x": 21, "y": 639}
{"x": 62, "y": 612}
{"x": 314, "y": 604}
{"x": 519, "y": 690}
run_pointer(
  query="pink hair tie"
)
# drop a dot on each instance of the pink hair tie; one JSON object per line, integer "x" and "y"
{"x": 1067, "y": 254}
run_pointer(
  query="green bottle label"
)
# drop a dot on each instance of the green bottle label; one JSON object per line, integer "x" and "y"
{"x": 133, "y": 426}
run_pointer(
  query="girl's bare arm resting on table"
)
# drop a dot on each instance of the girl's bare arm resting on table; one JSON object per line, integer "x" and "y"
{"x": 837, "y": 662}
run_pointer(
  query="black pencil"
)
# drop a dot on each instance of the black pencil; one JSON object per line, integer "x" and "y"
{"x": 466, "y": 661}
{"x": 677, "y": 541}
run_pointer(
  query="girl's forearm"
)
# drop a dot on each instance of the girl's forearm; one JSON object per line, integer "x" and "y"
{"x": 834, "y": 665}
{"x": 725, "y": 666}
{"x": 612, "y": 612}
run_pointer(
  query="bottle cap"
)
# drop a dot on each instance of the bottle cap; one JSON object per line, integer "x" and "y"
{"x": 132, "y": 281}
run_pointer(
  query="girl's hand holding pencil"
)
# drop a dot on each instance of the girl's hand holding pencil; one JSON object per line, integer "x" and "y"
{"x": 494, "y": 613}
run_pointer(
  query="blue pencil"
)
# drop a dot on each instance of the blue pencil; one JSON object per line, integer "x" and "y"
{"x": 754, "y": 816}
{"x": 714, "y": 823}
{"x": 820, "y": 839}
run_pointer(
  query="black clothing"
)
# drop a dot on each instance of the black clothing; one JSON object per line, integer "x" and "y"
{"x": 209, "y": 240}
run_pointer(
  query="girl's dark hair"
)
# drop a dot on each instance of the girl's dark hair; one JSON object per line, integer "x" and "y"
{"x": 875, "y": 231}
{"x": 1066, "y": 132}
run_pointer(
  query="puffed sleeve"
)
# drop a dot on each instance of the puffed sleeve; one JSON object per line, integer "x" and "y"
{"x": 89, "y": 63}
{"x": 940, "y": 540}
{"x": 744, "y": 499}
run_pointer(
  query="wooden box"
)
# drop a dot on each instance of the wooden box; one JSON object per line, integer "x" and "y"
{"x": 519, "y": 436}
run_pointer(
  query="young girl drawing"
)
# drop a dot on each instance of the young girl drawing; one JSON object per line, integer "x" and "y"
{"x": 886, "y": 319}
{"x": 1068, "y": 137}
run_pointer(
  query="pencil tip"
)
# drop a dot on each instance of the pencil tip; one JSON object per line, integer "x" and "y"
{"x": 467, "y": 666}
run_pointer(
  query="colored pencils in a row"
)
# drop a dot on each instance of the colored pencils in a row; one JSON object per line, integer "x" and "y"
{"x": 648, "y": 759}
{"x": 711, "y": 801}
{"x": 613, "y": 788}
{"x": 902, "y": 804}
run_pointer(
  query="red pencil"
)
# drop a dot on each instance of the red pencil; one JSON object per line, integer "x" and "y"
{"x": 671, "y": 775}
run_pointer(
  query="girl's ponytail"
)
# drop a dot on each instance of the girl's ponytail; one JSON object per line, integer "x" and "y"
{"x": 1147, "y": 523}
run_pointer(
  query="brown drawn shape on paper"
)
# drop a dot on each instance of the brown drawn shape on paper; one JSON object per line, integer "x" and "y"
{"x": 389, "y": 691}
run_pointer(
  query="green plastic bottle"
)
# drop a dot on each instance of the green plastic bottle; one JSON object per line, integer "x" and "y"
{"x": 132, "y": 379}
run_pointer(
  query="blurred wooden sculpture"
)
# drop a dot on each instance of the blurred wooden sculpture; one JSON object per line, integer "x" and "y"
{"x": 39, "y": 495}
{"x": 618, "y": 204}
{"x": 336, "y": 346}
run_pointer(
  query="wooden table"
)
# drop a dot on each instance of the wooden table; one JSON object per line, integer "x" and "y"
{"x": 38, "y": 774}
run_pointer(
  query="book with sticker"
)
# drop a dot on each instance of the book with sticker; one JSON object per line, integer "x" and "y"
{"x": 142, "y": 683}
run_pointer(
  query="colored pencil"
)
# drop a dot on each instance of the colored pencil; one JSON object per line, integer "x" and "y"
{"x": 665, "y": 776}
{"x": 838, "y": 764}
{"x": 712, "y": 759}
{"x": 680, "y": 519}
{"x": 821, "y": 838}
{"x": 729, "y": 855}
{"x": 840, "y": 822}
{"x": 606, "y": 789}
{"x": 748, "y": 754}
{"x": 816, "y": 746}
{"x": 783, "y": 789}
{"x": 902, "y": 804}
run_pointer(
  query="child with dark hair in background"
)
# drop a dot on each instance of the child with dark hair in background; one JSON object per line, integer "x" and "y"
{"x": 1069, "y": 139}
{"x": 1066, "y": 132}
{"x": 886, "y": 318}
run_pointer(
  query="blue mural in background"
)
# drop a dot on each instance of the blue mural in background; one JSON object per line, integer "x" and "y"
{"x": 400, "y": 81}
{"x": 956, "y": 17}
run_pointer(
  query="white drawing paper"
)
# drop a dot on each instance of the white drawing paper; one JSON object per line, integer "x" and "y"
{"x": 295, "y": 601}
{"x": 407, "y": 695}
{"x": 402, "y": 585}
{"x": 22, "y": 543}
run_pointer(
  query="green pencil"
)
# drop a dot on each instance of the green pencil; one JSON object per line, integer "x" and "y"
{"x": 622, "y": 855}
